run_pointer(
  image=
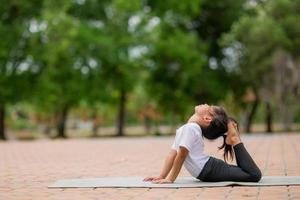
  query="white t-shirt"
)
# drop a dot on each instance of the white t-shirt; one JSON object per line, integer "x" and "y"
{"x": 190, "y": 136}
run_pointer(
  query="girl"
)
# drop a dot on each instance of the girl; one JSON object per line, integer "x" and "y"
{"x": 210, "y": 122}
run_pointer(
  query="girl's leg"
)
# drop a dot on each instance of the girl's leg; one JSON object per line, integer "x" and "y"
{"x": 246, "y": 171}
{"x": 217, "y": 170}
{"x": 245, "y": 162}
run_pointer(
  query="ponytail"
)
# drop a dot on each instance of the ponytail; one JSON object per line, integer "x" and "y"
{"x": 228, "y": 149}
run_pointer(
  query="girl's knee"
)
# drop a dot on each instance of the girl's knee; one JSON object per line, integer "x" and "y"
{"x": 255, "y": 177}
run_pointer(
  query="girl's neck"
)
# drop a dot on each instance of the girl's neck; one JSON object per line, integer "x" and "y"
{"x": 194, "y": 119}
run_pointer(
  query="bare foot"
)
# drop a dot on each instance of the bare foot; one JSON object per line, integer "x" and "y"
{"x": 233, "y": 136}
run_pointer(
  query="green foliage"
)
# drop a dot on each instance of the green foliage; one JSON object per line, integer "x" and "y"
{"x": 286, "y": 13}
{"x": 22, "y": 124}
{"x": 256, "y": 38}
{"x": 16, "y": 70}
{"x": 215, "y": 19}
{"x": 255, "y": 47}
{"x": 166, "y": 54}
{"x": 59, "y": 82}
{"x": 174, "y": 68}
{"x": 176, "y": 11}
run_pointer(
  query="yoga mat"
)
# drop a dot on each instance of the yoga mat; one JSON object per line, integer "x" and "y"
{"x": 181, "y": 182}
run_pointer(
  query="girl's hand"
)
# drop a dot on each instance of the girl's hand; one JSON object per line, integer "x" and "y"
{"x": 162, "y": 181}
{"x": 151, "y": 178}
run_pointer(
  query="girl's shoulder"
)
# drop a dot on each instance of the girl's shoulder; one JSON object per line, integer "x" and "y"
{"x": 190, "y": 128}
{"x": 192, "y": 125}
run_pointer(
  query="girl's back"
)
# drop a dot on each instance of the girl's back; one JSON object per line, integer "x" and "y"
{"x": 189, "y": 136}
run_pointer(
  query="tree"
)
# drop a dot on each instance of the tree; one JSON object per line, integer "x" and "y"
{"x": 285, "y": 62}
{"x": 214, "y": 19}
{"x": 121, "y": 22}
{"x": 59, "y": 50}
{"x": 174, "y": 70}
{"x": 176, "y": 58}
{"x": 255, "y": 59}
{"x": 259, "y": 61}
{"x": 16, "y": 70}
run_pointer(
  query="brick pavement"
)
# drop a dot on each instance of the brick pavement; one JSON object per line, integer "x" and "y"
{"x": 28, "y": 167}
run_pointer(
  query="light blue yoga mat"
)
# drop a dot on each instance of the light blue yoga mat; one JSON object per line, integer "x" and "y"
{"x": 181, "y": 182}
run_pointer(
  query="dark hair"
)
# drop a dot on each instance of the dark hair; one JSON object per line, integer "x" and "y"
{"x": 217, "y": 128}
{"x": 228, "y": 149}
{"x": 218, "y": 125}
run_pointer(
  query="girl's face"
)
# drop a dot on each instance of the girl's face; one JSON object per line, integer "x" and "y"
{"x": 204, "y": 114}
{"x": 204, "y": 110}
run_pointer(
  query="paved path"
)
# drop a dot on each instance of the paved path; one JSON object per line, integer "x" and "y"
{"x": 28, "y": 167}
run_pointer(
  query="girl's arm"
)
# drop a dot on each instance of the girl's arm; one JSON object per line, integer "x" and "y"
{"x": 168, "y": 164}
{"x": 166, "y": 168}
{"x": 179, "y": 159}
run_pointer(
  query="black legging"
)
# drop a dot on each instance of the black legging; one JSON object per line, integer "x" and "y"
{"x": 217, "y": 170}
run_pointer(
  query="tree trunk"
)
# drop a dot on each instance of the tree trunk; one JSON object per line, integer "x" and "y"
{"x": 61, "y": 125}
{"x": 148, "y": 125}
{"x": 157, "y": 129}
{"x": 2, "y": 122}
{"x": 95, "y": 127}
{"x": 172, "y": 123}
{"x": 269, "y": 118}
{"x": 95, "y": 130}
{"x": 121, "y": 114}
{"x": 47, "y": 129}
{"x": 287, "y": 119}
{"x": 251, "y": 115}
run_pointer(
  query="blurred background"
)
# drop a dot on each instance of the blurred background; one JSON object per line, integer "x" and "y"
{"x": 95, "y": 68}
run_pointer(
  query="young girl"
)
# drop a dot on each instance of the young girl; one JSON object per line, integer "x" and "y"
{"x": 210, "y": 122}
